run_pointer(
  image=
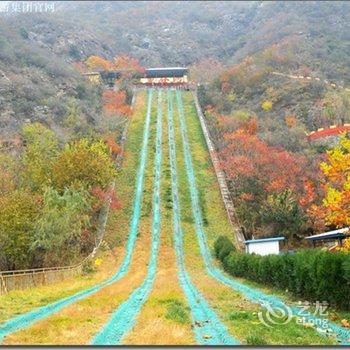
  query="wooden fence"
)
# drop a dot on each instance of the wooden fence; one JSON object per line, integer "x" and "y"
{"x": 23, "y": 279}
{"x": 225, "y": 194}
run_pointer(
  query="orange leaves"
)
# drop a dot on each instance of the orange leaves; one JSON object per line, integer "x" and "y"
{"x": 251, "y": 126}
{"x": 290, "y": 121}
{"x": 117, "y": 97}
{"x": 127, "y": 63}
{"x": 99, "y": 63}
{"x": 309, "y": 194}
{"x": 114, "y": 148}
{"x": 120, "y": 63}
{"x": 106, "y": 196}
{"x": 247, "y": 159}
{"x": 246, "y": 196}
{"x": 114, "y": 103}
{"x": 126, "y": 66}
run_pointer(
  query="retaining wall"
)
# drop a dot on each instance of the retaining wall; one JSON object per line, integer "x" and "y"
{"x": 225, "y": 194}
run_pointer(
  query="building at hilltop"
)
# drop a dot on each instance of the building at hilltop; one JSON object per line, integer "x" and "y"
{"x": 165, "y": 76}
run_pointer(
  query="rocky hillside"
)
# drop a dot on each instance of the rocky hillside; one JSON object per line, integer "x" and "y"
{"x": 37, "y": 51}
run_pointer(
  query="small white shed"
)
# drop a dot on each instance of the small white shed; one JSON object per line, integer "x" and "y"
{"x": 263, "y": 246}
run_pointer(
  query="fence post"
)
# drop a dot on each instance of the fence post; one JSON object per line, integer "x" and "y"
{"x": 3, "y": 283}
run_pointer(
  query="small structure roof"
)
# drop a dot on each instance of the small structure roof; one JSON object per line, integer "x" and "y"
{"x": 263, "y": 240}
{"x": 165, "y": 72}
{"x": 330, "y": 235}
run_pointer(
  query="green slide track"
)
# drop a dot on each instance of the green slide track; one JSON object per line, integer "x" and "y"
{"x": 123, "y": 318}
{"x": 208, "y": 329}
{"x": 29, "y": 318}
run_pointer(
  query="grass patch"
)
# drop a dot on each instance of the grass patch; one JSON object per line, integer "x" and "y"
{"x": 17, "y": 302}
{"x": 176, "y": 311}
{"x": 256, "y": 340}
{"x": 240, "y": 315}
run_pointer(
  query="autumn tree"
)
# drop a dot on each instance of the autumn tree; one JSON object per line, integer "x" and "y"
{"x": 114, "y": 102}
{"x": 114, "y": 148}
{"x": 206, "y": 70}
{"x": 336, "y": 170}
{"x": 58, "y": 231}
{"x": 265, "y": 181}
{"x": 83, "y": 164}
{"x": 282, "y": 213}
{"x": 127, "y": 64}
{"x": 336, "y": 107}
{"x": 266, "y": 105}
{"x": 41, "y": 148}
{"x": 19, "y": 211}
{"x": 98, "y": 63}
{"x": 291, "y": 121}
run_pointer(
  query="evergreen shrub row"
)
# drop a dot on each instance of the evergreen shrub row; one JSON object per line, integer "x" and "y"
{"x": 312, "y": 274}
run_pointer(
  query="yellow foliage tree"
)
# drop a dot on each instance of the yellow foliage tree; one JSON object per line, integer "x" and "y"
{"x": 96, "y": 62}
{"x": 337, "y": 173}
{"x": 346, "y": 246}
{"x": 83, "y": 164}
{"x": 266, "y": 105}
{"x": 291, "y": 121}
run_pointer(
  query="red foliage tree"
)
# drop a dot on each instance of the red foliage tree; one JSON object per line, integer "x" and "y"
{"x": 114, "y": 103}
{"x": 260, "y": 174}
{"x": 114, "y": 148}
{"x": 105, "y": 196}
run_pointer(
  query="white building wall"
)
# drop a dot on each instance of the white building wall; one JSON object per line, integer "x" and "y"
{"x": 165, "y": 80}
{"x": 263, "y": 248}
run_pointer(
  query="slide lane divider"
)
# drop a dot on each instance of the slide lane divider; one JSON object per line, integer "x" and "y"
{"x": 29, "y": 318}
{"x": 254, "y": 295}
{"x": 207, "y": 327}
{"x": 123, "y": 318}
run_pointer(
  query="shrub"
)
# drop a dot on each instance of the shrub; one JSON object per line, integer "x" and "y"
{"x": 223, "y": 246}
{"x": 24, "y": 33}
{"x": 312, "y": 274}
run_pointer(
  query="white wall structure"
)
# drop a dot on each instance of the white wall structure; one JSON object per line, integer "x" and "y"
{"x": 165, "y": 80}
{"x": 264, "y": 246}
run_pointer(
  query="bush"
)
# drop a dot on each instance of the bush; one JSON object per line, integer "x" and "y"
{"x": 223, "y": 246}
{"x": 24, "y": 33}
{"x": 312, "y": 274}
